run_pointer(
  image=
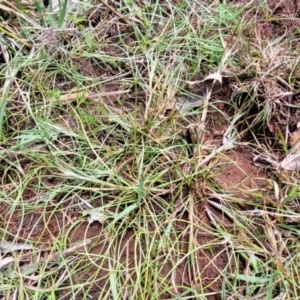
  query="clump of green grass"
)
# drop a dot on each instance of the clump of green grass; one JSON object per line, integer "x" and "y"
{"x": 102, "y": 194}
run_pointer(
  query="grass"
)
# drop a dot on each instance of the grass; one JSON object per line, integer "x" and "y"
{"x": 108, "y": 192}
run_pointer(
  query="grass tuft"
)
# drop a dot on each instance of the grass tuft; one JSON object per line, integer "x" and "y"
{"x": 143, "y": 148}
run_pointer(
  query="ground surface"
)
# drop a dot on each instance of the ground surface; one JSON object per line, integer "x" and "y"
{"x": 110, "y": 187}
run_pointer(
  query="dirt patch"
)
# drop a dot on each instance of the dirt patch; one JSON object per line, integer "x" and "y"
{"x": 209, "y": 260}
{"x": 237, "y": 175}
